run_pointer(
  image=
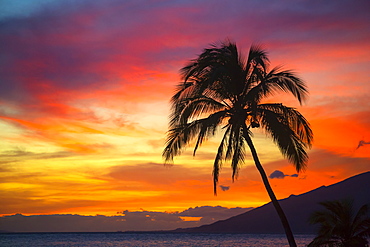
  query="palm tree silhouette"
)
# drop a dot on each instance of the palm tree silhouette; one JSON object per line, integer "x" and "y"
{"x": 223, "y": 91}
{"x": 340, "y": 225}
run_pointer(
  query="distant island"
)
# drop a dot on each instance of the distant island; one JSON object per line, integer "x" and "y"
{"x": 297, "y": 207}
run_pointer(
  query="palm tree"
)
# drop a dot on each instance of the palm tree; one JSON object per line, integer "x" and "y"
{"x": 223, "y": 91}
{"x": 340, "y": 225}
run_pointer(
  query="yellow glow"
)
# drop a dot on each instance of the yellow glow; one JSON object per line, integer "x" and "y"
{"x": 190, "y": 218}
{"x": 18, "y": 186}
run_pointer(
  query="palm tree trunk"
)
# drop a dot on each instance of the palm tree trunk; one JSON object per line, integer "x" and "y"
{"x": 275, "y": 202}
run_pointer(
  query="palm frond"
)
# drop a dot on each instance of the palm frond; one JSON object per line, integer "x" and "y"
{"x": 257, "y": 63}
{"x": 361, "y": 223}
{"x": 257, "y": 56}
{"x": 285, "y": 137}
{"x": 275, "y": 81}
{"x": 239, "y": 154}
{"x": 208, "y": 127}
{"x": 297, "y": 122}
{"x": 199, "y": 87}
{"x": 231, "y": 142}
{"x": 192, "y": 108}
{"x": 219, "y": 158}
{"x": 180, "y": 135}
{"x": 177, "y": 138}
{"x": 184, "y": 90}
{"x": 235, "y": 149}
{"x": 218, "y": 70}
{"x": 287, "y": 81}
{"x": 339, "y": 225}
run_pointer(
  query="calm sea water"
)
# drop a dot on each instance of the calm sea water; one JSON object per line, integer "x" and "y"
{"x": 146, "y": 239}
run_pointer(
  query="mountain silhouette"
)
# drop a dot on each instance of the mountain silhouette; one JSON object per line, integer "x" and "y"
{"x": 298, "y": 208}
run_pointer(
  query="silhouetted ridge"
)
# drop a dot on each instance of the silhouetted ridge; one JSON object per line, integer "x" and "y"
{"x": 264, "y": 219}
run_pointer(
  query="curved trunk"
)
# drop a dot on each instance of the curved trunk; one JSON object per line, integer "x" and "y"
{"x": 275, "y": 202}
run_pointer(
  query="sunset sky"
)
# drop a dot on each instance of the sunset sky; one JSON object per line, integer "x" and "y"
{"x": 85, "y": 88}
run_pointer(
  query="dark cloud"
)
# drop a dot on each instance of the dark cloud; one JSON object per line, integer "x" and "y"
{"x": 362, "y": 143}
{"x": 127, "y": 221}
{"x": 323, "y": 163}
{"x": 280, "y": 175}
{"x": 224, "y": 188}
{"x": 277, "y": 174}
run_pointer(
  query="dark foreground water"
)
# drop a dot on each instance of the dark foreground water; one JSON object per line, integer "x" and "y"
{"x": 146, "y": 239}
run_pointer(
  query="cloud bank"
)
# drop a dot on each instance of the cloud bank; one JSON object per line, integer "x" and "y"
{"x": 126, "y": 221}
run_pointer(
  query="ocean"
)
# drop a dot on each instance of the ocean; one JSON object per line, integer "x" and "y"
{"x": 146, "y": 239}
